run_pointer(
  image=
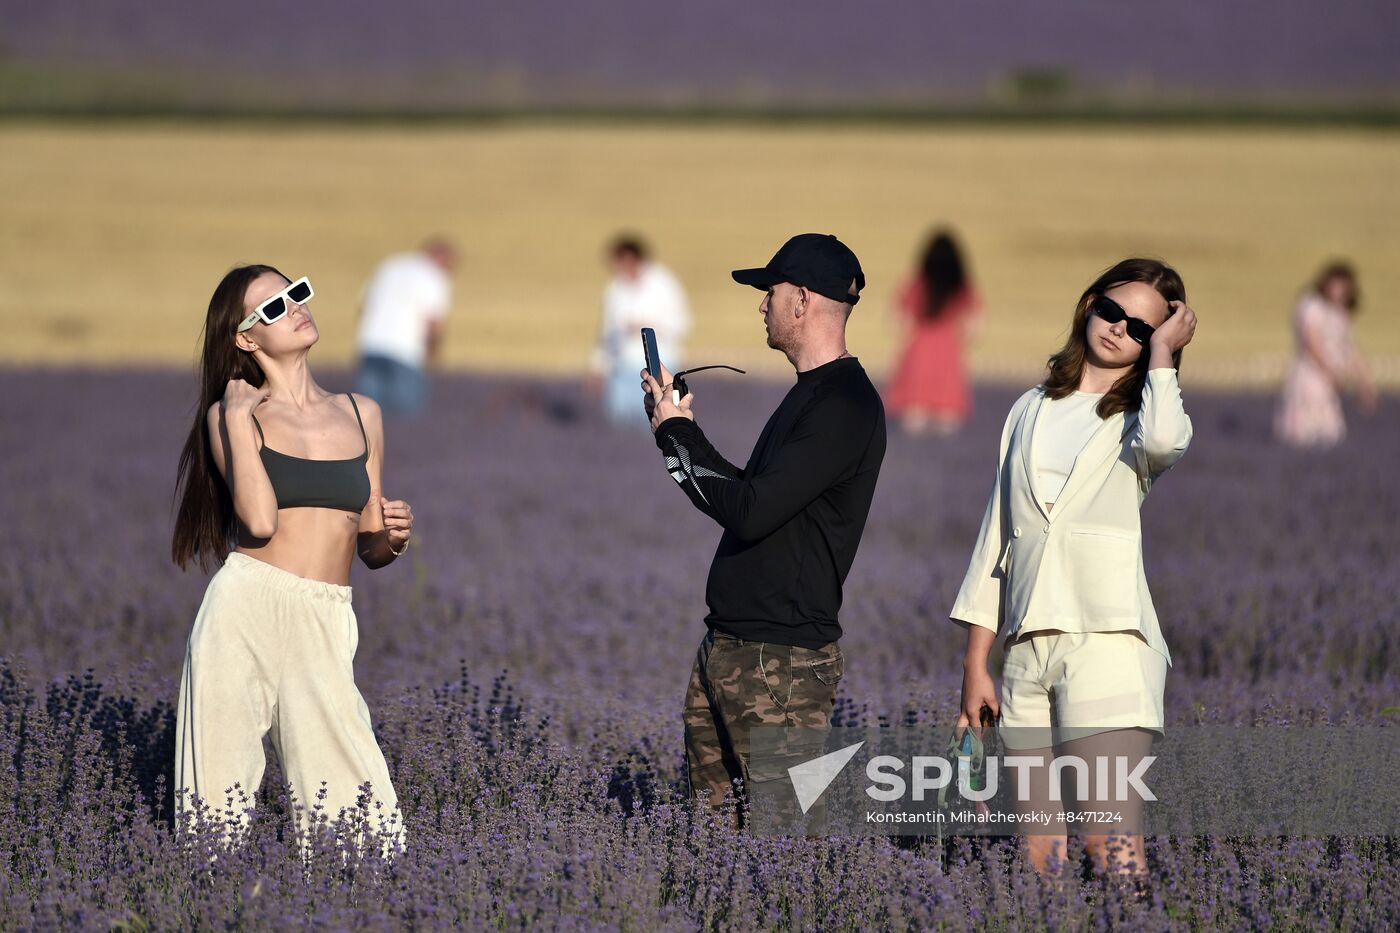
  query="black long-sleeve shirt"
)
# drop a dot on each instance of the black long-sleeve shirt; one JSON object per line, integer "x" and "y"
{"x": 793, "y": 516}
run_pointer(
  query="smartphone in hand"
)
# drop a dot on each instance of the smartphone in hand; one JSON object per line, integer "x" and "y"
{"x": 652, "y": 358}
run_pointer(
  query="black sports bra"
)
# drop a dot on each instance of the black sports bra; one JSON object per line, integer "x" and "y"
{"x": 319, "y": 484}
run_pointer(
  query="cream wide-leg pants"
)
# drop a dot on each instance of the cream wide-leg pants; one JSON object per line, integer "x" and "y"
{"x": 272, "y": 652}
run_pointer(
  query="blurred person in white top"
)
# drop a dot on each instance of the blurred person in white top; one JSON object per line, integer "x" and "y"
{"x": 401, "y": 325}
{"x": 642, "y": 293}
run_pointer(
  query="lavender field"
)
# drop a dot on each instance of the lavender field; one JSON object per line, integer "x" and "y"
{"x": 425, "y": 54}
{"x": 525, "y": 667}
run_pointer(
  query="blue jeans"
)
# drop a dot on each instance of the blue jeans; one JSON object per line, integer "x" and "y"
{"x": 398, "y": 388}
{"x": 623, "y": 399}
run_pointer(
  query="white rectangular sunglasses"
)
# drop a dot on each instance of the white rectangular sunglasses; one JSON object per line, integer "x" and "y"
{"x": 274, "y": 308}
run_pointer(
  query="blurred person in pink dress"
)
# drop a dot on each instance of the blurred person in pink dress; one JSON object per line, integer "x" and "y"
{"x": 1327, "y": 363}
{"x": 938, "y": 306}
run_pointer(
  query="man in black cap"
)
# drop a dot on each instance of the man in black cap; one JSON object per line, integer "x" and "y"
{"x": 792, "y": 519}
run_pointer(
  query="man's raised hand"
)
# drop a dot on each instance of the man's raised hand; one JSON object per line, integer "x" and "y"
{"x": 659, "y": 399}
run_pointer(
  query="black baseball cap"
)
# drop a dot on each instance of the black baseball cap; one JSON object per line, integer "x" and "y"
{"x": 817, "y": 261}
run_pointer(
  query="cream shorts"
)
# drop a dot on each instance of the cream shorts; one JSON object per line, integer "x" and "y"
{"x": 1058, "y": 686}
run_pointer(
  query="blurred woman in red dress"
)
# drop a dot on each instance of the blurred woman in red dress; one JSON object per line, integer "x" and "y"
{"x": 938, "y": 306}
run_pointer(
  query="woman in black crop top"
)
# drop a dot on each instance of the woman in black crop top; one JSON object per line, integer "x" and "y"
{"x": 280, "y": 480}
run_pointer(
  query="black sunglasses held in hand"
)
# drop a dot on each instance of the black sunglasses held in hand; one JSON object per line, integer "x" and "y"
{"x": 1112, "y": 312}
{"x": 653, "y": 364}
{"x": 679, "y": 382}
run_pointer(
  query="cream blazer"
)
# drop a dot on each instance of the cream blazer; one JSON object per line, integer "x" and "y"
{"x": 1077, "y": 567}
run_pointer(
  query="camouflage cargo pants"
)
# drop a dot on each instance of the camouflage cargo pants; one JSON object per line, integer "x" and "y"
{"x": 737, "y": 685}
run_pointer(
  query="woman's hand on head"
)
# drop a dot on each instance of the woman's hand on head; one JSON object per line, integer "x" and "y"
{"x": 1178, "y": 329}
{"x": 241, "y": 397}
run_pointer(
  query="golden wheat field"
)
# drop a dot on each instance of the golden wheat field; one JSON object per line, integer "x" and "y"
{"x": 113, "y": 235}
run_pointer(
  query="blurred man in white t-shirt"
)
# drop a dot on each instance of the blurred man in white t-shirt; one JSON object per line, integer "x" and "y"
{"x": 401, "y": 325}
{"x": 642, "y": 293}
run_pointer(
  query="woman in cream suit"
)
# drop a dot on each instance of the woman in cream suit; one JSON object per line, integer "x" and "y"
{"x": 1057, "y": 570}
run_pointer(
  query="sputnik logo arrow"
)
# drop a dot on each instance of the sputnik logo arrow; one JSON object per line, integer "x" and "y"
{"x": 811, "y": 778}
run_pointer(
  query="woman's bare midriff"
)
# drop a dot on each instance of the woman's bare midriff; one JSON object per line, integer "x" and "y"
{"x": 318, "y": 544}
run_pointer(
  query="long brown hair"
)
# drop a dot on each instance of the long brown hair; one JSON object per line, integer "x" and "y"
{"x": 205, "y": 525}
{"x": 1067, "y": 367}
{"x": 1339, "y": 269}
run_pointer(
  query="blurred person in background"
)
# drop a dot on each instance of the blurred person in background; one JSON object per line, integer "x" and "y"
{"x": 792, "y": 518}
{"x": 939, "y": 309}
{"x": 280, "y": 480}
{"x": 1326, "y": 364}
{"x": 641, "y": 293}
{"x": 1057, "y": 569}
{"x": 402, "y": 316}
